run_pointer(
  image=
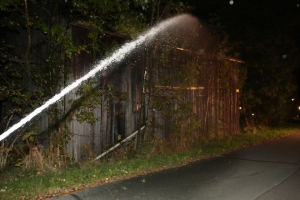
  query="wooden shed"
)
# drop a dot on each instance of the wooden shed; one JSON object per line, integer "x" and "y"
{"x": 148, "y": 88}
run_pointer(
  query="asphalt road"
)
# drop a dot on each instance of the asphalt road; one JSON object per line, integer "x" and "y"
{"x": 269, "y": 171}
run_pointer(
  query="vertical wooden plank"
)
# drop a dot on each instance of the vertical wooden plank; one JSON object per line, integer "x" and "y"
{"x": 128, "y": 114}
{"x": 104, "y": 124}
{"x": 97, "y": 131}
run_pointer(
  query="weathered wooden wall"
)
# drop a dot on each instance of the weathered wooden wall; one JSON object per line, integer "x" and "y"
{"x": 214, "y": 96}
{"x": 214, "y": 100}
{"x": 118, "y": 117}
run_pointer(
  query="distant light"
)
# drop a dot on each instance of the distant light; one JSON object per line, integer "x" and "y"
{"x": 237, "y": 90}
{"x": 293, "y": 99}
{"x": 231, "y": 2}
{"x": 252, "y": 114}
{"x": 284, "y": 56}
{"x": 240, "y": 107}
{"x": 299, "y": 107}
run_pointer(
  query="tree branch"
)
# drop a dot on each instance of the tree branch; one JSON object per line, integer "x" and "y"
{"x": 4, "y": 79}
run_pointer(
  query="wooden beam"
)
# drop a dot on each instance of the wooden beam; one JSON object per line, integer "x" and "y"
{"x": 179, "y": 88}
{"x": 236, "y": 60}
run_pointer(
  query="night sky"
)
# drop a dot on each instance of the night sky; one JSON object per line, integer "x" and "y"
{"x": 265, "y": 17}
{"x": 250, "y": 21}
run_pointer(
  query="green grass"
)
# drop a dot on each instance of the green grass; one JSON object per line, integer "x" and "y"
{"x": 19, "y": 184}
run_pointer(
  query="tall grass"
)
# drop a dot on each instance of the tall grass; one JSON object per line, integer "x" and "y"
{"x": 17, "y": 183}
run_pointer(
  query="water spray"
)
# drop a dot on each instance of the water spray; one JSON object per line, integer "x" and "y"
{"x": 116, "y": 57}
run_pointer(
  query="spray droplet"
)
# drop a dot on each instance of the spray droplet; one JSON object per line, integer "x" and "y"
{"x": 284, "y": 56}
{"x": 298, "y": 5}
{"x": 231, "y": 2}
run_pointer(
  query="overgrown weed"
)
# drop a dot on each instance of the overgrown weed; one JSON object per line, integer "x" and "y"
{"x": 19, "y": 183}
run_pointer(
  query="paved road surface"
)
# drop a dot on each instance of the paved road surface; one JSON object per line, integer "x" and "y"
{"x": 265, "y": 172}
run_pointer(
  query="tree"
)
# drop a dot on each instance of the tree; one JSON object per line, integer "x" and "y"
{"x": 267, "y": 43}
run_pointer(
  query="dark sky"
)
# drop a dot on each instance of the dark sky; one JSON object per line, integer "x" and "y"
{"x": 248, "y": 21}
{"x": 262, "y": 15}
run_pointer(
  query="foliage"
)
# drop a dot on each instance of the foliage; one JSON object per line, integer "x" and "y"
{"x": 156, "y": 10}
{"x": 170, "y": 98}
{"x": 177, "y": 70}
{"x": 32, "y": 65}
{"x": 270, "y": 80}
